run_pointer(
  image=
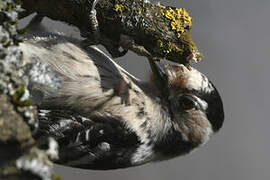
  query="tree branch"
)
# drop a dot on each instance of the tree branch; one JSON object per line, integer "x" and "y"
{"x": 164, "y": 32}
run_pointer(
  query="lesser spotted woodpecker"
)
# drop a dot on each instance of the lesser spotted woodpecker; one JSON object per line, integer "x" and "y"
{"x": 105, "y": 118}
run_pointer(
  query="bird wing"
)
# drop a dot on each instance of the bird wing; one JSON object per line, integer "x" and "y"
{"x": 90, "y": 143}
{"x": 85, "y": 76}
{"x": 82, "y": 96}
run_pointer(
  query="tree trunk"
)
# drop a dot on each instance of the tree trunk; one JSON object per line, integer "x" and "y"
{"x": 20, "y": 156}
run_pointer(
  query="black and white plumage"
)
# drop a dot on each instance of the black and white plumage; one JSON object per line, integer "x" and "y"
{"x": 105, "y": 118}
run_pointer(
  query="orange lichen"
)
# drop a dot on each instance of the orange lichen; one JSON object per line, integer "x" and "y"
{"x": 180, "y": 19}
{"x": 119, "y": 8}
{"x": 161, "y": 6}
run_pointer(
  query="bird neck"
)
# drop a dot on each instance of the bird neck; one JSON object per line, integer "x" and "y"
{"x": 158, "y": 119}
{"x": 167, "y": 140}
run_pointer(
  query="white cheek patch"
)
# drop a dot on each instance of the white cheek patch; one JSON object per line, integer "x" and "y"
{"x": 202, "y": 102}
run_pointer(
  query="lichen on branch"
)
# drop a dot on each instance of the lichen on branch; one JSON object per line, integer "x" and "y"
{"x": 163, "y": 31}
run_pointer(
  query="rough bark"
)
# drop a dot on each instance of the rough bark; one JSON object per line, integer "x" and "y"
{"x": 20, "y": 156}
{"x": 164, "y": 32}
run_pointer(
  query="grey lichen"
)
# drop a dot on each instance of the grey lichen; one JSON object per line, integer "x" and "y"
{"x": 11, "y": 63}
{"x": 38, "y": 162}
{"x": 21, "y": 156}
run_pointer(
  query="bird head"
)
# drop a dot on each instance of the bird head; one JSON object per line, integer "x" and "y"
{"x": 193, "y": 105}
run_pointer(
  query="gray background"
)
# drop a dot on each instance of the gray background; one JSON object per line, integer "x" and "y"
{"x": 234, "y": 37}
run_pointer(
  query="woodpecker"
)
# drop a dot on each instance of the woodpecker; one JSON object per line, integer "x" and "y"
{"x": 105, "y": 118}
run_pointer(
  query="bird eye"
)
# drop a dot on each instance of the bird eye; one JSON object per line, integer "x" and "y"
{"x": 186, "y": 103}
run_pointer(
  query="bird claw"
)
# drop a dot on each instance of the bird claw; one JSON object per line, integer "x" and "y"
{"x": 93, "y": 22}
{"x": 128, "y": 43}
{"x": 94, "y": 37}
